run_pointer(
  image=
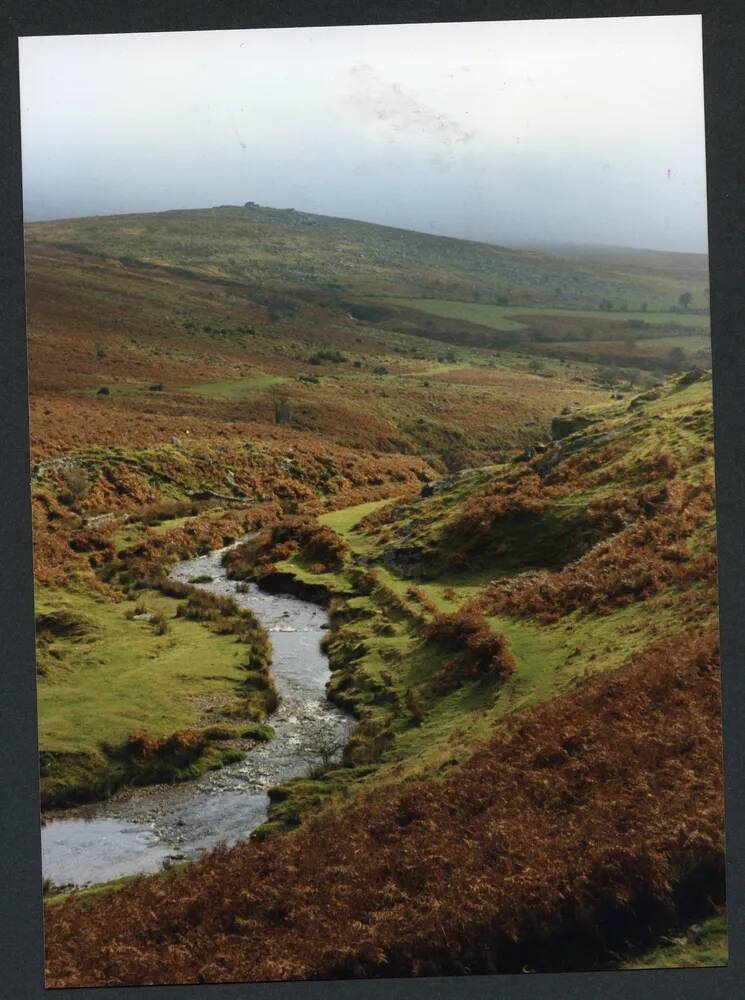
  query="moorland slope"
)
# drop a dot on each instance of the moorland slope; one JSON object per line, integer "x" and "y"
{"x": 497, "y": 467}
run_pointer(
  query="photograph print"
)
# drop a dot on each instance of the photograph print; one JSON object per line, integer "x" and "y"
{"x": 372, "y": 478}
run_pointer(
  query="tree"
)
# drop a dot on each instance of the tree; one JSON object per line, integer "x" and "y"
{"x": 328, "y": 751}
{"x": 685, "y": 300}
{"x": 535, "y": 365}
{"x": 607, "y": 375}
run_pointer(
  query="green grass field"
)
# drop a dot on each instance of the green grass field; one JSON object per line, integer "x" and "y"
{"x": 121, "y": 676}
{"x": 345, "y": 521}
{"x": 687, "y": 342}
{"x": 551, "y": 659}
{"x": 515, "y": 318}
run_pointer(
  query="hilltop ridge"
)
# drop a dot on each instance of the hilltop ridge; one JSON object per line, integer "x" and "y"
{"x": 286, "y": 247}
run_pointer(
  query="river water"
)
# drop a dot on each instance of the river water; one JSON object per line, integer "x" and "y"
{"x": 141, "y": 830}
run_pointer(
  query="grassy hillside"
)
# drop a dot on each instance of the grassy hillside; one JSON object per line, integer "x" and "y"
{"x": 186, "y": 357}
{"x": 483, "y": 717}
{"x": 579, "y": 558}
{"x": 286, "y": 248}
{"x": 498, "y": 465}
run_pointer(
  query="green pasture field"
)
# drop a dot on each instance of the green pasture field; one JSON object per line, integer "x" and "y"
{"x": 514, "y": 318}
{"x": 120, "y": 676}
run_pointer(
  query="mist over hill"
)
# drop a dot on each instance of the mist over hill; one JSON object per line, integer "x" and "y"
{"x": 577, "y": 129}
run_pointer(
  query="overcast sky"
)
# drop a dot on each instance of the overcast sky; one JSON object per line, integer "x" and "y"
{"x": 567, "y": 130}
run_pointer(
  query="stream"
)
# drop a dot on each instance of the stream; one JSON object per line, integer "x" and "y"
{"x": 143, "y": 830}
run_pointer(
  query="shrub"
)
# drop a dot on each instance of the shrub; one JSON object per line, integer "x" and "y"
{"x": 77, "y": 486}
{"x": 423, "y": 599}
{"x": 160, "y": 757}
{"x": 326, "y": 356}
{"x": 159, "y": 623}
{"x": 367, "y": 582}
{"x": 480, "y": 653}
{"x": 219, "y": 733}
{"x": 165, "y": 510}
{"x": 258, "y": 731}
{"x": 317, "y": 544}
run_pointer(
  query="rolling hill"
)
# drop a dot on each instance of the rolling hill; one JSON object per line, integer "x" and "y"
{"x": 286, "y": 248}
{"x": 496, "y": 466}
